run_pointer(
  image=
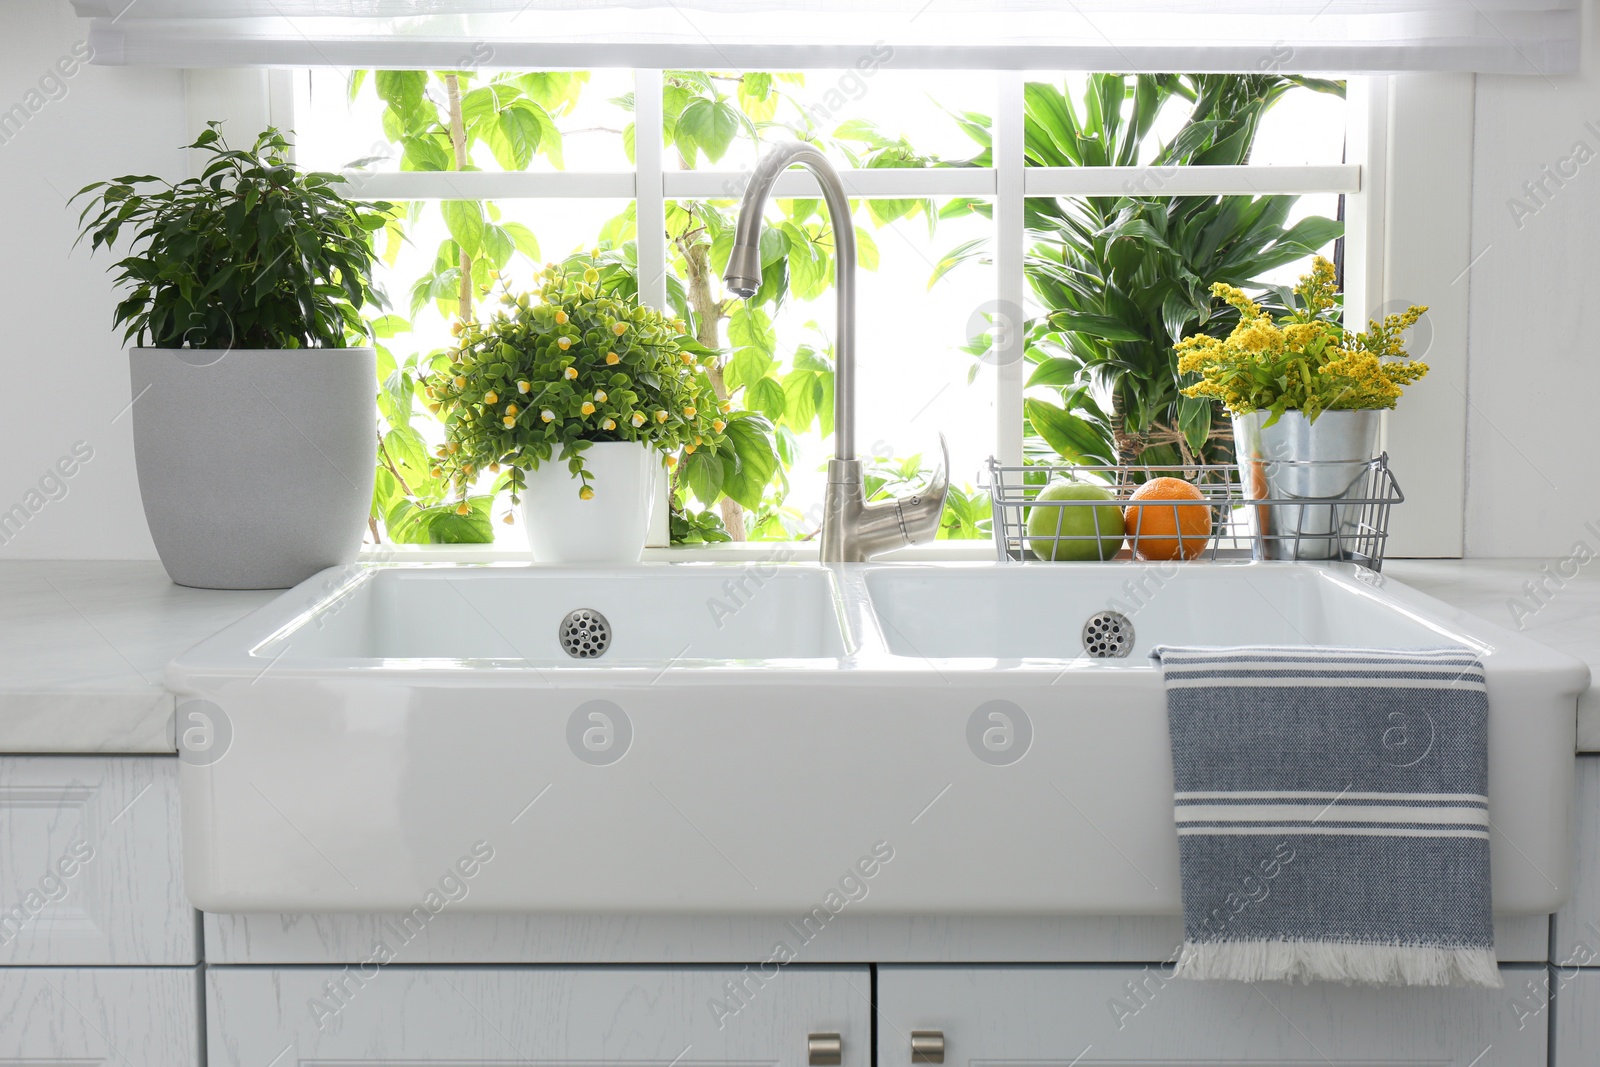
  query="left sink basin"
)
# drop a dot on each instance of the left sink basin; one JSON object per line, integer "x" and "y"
{"x": 561, "y": 617}
{"x": 362, "y": 737}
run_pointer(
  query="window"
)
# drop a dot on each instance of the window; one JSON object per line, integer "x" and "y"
{"x": 955, "y": 237}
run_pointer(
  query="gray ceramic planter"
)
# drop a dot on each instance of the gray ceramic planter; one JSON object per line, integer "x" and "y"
{"x": 255, "y": 466}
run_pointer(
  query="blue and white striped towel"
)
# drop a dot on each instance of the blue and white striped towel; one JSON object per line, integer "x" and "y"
{"x": 1332, "y": 814}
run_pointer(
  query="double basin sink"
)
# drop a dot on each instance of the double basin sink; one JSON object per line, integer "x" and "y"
{"x": 753, "y": 738}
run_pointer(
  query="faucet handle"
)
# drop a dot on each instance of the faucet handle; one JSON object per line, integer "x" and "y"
{"x": 920, "y": 512}
{"x": 939, "y": 484}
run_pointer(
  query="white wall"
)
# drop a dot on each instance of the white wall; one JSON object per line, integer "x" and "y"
{"x": 1426, "y": 193}
{"x": 1532, "y": 381}
{"x": 63, "y": 377}
{"x": 1533, "y": 430}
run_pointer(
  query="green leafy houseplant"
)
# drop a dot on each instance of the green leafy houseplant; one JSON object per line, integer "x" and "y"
{"x": 544, "y": 379}
{"x": 252, "y": 254}
{"x": 264, "y": 269}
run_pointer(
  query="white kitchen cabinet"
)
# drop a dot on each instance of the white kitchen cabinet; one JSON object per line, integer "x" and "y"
{"x": 1577, "y": 933}
{"x": 258, "y": 1016}
{"x": 1574, "y": 983}
{"x": 89, "y": 847}
{"x": 83, "y": 1016}
{"x": 1129, "y": 1015}
{"x": 1577, "y": 1013}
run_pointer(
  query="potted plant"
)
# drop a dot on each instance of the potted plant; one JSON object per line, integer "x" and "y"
{"x": 1305, "y": 395}
{"x": 585, "y": 396}
{"x": 253, "y": 419}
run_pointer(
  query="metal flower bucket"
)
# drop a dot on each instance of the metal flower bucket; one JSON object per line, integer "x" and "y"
{"x": 1316, "y": 476}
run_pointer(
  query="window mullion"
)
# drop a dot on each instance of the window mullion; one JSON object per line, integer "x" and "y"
{"x": 650, "y": 240}
{"x": 880, "y": 184}
{"x": 886, "y": 183}
{"x": 1363, "y": 244}
{"x": 648, "y": 196}
{"x": 1243, "y": 180}
{"x": 1011, "y": 282}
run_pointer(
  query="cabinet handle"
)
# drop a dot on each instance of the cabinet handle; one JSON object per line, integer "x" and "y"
{"x": 927, "y": 1046}
{"x": 824, "y": 1050}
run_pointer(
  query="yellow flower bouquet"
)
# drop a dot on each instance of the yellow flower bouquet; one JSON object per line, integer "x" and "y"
{"x": 1304, "y": 361}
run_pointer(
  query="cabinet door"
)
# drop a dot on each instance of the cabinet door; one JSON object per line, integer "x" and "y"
{"x": 1577, "y": 936}
{"x": 1577, "y": 998}
{"x": 89, "y": 847}
{"x": 640, "y": 1016}
{"x": 1127, "y": 1015}
{"x": 128, "y": 1016}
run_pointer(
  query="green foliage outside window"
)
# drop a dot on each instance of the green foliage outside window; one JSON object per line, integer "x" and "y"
{"x": 441, "y": 121}
{"x": 1123, "y": 278}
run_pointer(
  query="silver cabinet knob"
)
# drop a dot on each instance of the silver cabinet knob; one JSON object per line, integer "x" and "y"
{"x": 824, "y": 1050}
{"x": 927, "y": 1046}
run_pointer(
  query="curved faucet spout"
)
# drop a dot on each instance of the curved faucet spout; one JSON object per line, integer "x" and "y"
{"x": 852, "y": 529}
{"x": 743, "y": 276}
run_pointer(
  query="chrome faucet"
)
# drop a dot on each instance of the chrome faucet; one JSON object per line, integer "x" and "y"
{"x": 852, "y": 529}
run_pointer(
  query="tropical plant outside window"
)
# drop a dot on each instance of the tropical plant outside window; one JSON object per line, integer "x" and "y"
{"x": 1124, "y": 279}
{"x": 1116, "y": 279}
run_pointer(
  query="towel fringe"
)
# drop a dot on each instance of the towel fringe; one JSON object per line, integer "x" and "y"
{"x": 1307, "y": 961}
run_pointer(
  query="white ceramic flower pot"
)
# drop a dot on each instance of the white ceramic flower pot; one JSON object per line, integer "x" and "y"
{"x": 612, "y": 526}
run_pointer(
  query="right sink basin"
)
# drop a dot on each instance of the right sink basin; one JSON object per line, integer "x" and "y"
{"x": 1040, "y": 611}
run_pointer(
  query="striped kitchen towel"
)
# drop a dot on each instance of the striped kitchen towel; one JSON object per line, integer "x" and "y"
{"x": 1332, "y": 814}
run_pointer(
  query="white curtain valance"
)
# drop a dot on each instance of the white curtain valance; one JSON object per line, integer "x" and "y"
{"x": 1243, "y": 36}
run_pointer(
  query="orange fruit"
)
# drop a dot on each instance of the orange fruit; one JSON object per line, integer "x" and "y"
{"x": 1159, "y": 529}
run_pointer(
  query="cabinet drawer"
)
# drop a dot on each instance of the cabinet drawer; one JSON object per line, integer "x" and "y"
{"x": 376, "y": 1014}
{"x": 1112, "y": 1015}
{"x": 90, "y": 850}
{"x": 131, "y": 1016}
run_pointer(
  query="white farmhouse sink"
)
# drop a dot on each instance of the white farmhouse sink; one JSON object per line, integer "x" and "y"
{"x": 753, "y": 731}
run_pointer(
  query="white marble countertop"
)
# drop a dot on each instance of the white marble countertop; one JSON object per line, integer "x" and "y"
{"x": 82, "y": 644}
{"x": 1559, "y": 611}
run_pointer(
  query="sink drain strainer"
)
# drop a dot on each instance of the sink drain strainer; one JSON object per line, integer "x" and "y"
{"x": 1108, "y": 635}
{"x": 585, "y": 634}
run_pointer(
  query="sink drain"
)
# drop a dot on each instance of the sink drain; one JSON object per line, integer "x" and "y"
{"x": 585, "y": 634}
{"x": 1108, "y": 635}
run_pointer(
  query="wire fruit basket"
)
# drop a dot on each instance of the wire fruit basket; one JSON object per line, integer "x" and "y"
{"x": 1227, "y": 520}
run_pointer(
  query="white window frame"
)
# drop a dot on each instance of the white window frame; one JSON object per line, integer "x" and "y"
{"x": 1372, "y": 196}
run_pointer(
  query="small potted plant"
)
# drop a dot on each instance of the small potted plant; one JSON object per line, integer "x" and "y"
{"x": 1306, "y": 396}
{"x": 586, "y": 397}
{"x": 254, "y": 426}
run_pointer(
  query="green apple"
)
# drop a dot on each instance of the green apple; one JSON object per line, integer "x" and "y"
{"x": 1075, "y": 520}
